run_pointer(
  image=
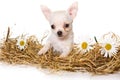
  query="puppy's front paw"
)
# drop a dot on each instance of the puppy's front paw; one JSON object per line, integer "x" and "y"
{"x": 42, "y": 51}
{"x": 63, "y": 55}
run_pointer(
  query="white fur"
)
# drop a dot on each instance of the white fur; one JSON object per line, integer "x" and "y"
{"x": 59, "y": 19}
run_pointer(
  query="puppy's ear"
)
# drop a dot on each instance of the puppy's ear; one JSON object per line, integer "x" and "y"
{"x": 72, "y": 10}
{"x": 46, "y": 11}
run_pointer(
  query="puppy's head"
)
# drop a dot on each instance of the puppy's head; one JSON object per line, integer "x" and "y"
{"x": 61, "y": 21}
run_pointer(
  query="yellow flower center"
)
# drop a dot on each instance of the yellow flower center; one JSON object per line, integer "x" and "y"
{"x": 84, "y": 45}
{"x": 108, "y": 46}
{"x": 22, "y": 43}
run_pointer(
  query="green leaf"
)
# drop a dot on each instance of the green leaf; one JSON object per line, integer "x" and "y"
{"x": 95, "y": 39}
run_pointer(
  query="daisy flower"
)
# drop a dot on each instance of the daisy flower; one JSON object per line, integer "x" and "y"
{"x": 109, "y": 46}
{"x": 21, "y": 43}
{"x": 85, "y": 45}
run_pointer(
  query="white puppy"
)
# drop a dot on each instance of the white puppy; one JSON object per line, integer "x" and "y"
{"x": 61, "y": 37}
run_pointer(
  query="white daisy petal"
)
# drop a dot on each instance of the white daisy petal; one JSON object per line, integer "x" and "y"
{"x": 85, "y": 45}
{"x": 109, "y": 45}
{"x": 106, "y": 54}
{"x": 21, "y": 43}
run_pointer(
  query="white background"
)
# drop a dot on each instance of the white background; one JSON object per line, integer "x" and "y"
{"x": 94, "y": 18}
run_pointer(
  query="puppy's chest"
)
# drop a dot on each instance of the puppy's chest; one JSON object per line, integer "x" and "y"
{"x": 60, "y": 46}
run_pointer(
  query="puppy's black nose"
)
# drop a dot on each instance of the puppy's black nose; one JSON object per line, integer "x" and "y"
{"x": 59, "y": 33}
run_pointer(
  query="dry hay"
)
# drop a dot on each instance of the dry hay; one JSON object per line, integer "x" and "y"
{"x": 92, "y": 61}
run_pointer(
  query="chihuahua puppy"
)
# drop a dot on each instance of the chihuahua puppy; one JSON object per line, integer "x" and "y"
{"x": 61, "y": 37}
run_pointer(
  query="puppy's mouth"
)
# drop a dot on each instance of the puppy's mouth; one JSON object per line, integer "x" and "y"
{"x": 60, "y": 36}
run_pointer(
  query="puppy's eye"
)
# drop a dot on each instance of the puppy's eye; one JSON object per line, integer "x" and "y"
{"x": 53, "y": 26}
{"x": 66, "y": 25}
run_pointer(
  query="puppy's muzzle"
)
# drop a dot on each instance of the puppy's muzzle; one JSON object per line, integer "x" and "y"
{"x": 59, "y": 33}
